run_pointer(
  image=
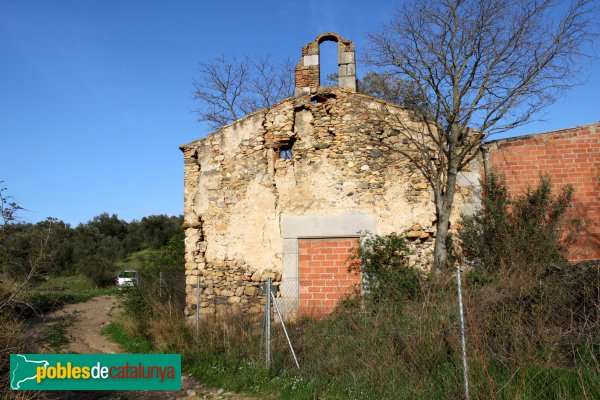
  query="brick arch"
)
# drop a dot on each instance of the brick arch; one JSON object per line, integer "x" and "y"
{"x": 343, "y": 44}
{"x": 329, "y": 37}
{"x": 307, "y": 73}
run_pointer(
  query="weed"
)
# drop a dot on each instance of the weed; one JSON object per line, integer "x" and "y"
{"x": 386, "y": 276}
{"x": 530, "y": 230}
{"x": 55, "y": 335}
{"x": 133, "y": 344}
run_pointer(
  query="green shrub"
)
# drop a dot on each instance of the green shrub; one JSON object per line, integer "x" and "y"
{"x": 385, "y": 271}
{"x": 55, "y": 335}
{"x": 528, "y": 230}
{"x": 43, "y": 301}
{"x": 131, "y": 343}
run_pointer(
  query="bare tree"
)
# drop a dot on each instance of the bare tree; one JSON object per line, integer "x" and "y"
{"x": 385, "y": 86}
{"x": 8, "y": 209}
{"x": 10, "y": 286}
{"x": 479, "y": 67}
{"x": 229, "y": 88}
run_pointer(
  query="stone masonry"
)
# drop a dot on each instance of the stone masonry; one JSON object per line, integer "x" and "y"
{"x": 324, "y": 164}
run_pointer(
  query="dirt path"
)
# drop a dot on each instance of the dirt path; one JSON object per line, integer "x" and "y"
{"x": 87, "y": 320}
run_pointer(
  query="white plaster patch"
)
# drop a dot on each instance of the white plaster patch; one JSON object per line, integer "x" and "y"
{"x": 468, "y": 179}
{"x": 311, "y": 60}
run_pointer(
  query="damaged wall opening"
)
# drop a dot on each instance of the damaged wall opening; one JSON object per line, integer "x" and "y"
{"x": 284, "y": 151}
{"x": 286, "y": 154}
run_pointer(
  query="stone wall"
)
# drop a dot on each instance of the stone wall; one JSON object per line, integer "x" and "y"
{"x": 568, "y": 156}
{"x": 320, "y": 165}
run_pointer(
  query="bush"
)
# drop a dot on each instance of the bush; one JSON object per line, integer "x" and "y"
{"x": 13, "y": 340}
{"x": 530, "y": 333}
{"x": 526, "y": 231}
{"x": 385, "y": 271}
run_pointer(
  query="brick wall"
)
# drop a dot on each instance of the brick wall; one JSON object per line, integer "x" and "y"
{"x": 323, "y": 273}
{"x": 568, "y": 156}
{"x": 307, "y": 76}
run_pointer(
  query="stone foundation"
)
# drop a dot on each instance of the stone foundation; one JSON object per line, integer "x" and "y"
{"x": 226, "y": 285}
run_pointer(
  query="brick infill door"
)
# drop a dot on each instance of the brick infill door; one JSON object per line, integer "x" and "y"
{"x": 323, "y": 273}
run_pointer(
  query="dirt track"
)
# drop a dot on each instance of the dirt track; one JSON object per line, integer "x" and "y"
{"x": 88, "y": 320}
{"x": 84, "y": 337}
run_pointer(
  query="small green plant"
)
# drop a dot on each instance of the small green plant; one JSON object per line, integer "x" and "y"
{"x": 161, "y": 279}
{"x": 131, "y": 343}
{"x": 55, "y": 335}
{"x": 57, "y": 292}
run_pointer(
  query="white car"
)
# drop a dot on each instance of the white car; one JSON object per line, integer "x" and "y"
{"x": 126, "y": 278}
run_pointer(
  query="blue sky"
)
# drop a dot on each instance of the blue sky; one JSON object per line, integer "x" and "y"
{"x": 96, "y": 95}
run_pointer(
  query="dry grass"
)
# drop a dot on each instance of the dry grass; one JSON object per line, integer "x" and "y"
{"x": 532, "y": 334}
{"x": 547, "y": 315}
{"x": 12, "y": 340}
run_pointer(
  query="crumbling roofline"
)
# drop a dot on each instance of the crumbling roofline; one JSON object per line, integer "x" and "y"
{"x": 297, "y": 101}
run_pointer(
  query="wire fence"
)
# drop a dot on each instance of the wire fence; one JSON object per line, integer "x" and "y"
{"x": 168, "y": 287}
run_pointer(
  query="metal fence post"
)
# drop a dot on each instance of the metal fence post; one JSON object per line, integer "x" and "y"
{"x": 160, "y": 284}
{"x": 268, "y": 325}
{"x": 198, "y": 310}
{"x": 170, "y": 306}
{"x": 463, "y": 340}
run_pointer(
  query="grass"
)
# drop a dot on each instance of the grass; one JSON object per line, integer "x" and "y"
{"x": 538, "y": 382}
{"x": 58, "y": 291}
{"x": 243, "y": 376}
{"x": 234, "y": 374}
{"x": 137, "y": 260}
{"x": 132, "y": 344}
{"x": 362, "y": 366}
{"x": 529, "y": 337}
{"x": 77, "y": 283}
{"x": 54, "y": 336}
{"x": 353, "y": 355}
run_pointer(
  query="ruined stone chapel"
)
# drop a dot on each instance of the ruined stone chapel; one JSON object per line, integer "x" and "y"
{"x": 287, "y": 191}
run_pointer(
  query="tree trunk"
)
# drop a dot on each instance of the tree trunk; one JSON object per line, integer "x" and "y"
{"x": 444, "y": 201}
{"x": 441, "y": 250}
